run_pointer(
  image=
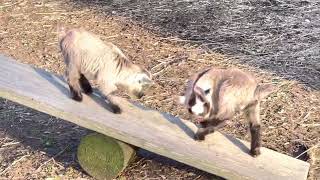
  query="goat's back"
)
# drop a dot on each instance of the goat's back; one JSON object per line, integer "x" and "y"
{"x": 231, "y": 90}
{"x": 85, "y": 42}
{"x": 88, "y": 51}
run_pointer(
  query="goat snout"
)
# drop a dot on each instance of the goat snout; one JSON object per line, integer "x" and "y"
{"x": 200, "y": 119}
{"x": 138, "y": 94}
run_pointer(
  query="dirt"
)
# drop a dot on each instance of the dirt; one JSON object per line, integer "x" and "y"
{"x": 173, "y": 41}
{"x": 263, "y": 34}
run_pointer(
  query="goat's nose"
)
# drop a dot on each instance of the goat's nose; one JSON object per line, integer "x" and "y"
{"x": 140, "y": 94}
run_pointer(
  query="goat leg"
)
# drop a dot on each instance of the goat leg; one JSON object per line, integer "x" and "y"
{"x": 207, "y": 129}
{"x": 85, "y": 85}
{"x": 255, "y": 131}
{"x": 114, "y": 107}
{"x": 253, "y": 115}
{"x": 106, "y": 93}
{"x": 72, "y": 74}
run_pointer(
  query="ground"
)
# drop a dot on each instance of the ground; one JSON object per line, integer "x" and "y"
{"x": 276, "y": 40}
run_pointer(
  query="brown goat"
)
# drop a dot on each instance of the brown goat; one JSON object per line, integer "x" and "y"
{"x": 87, "y": 57}
{"x": 216, "y": 95}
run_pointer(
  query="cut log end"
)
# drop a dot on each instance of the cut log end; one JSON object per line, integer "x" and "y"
{"x": 103, "y": 157}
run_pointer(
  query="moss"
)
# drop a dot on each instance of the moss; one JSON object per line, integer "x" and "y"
{"x": 103, "y": 157}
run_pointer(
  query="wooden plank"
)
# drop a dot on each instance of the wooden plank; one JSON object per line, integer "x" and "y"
{"x": 157, "y": 132}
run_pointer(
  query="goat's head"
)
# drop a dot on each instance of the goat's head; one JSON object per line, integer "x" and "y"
{"x": 197, "y": 98}
{"x": 137, "y": 82}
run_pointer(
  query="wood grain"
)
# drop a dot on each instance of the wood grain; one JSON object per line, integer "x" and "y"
{"x": 158, "y": 132}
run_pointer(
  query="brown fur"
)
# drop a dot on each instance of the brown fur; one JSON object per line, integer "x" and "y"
{"x": 231, "y": 91}
{"x": 190, "y": 95}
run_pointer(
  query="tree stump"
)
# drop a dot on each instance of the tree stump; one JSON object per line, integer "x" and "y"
{"x": 103, "y": 157}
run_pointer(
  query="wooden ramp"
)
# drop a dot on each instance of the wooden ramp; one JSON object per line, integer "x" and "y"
{"x": 149, "y": 129}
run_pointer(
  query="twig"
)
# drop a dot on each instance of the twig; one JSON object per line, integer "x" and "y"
{"x": 14, "y": 162}
{"x": 179, "y": 40}
{"x": 159, "y": 72}
{"x": 51, "y": 159}
{"x": 166, "y": 64}
{"x": 311, "y": 125}
{"x": 317, "y": 145}
{"x": 8, "y": 5}
{"x": 161, "y": 63}
{"x": 109, "y": 37}
{"x": 59, "y": 13}
{"x": 9, "y": 144}
{"x": 54, "y": 161}
{"x": 150, "y": 97}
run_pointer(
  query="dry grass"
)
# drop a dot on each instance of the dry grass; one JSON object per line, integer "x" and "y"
{"x": 290, "y": 117}
{"x": 280, "y": 36}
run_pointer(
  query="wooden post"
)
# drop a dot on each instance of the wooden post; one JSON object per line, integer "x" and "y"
{"x": 104, "y": 157}
{"x": 149, "y": 129}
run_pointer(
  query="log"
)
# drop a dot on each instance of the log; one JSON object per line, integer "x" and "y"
{"x": 149, "y": 129}
{"x": 104, "y": 157}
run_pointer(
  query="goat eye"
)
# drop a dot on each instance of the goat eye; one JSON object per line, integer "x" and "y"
{"x": 207, "y": 91}
{"x": 139, "y": 81}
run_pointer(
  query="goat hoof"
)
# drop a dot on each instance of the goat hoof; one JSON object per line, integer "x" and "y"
{"x": 77, "y": 97}
{"x": 87, "y": 89}
{"x": 199, "y": 137}
{"x": 116, "y": 109}
{"x": 255, "y": 152}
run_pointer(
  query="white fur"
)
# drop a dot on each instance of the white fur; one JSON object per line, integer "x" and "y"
{"x": 204, "y": 84}
{"x": 181, "y": 99}
{"x": 198, "y": 108}
{"x": 143, "y": 78}
{"x": 101, "y": 61}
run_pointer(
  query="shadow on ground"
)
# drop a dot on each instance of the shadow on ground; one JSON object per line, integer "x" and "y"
{"x": 39, "y": 132}
{"x": 60, "y": 139}
{"x": 278, "y": 36}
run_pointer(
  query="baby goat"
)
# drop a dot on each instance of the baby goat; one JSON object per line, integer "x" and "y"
{"x": 216, "y": 95}
{"x": 87, "y": 57}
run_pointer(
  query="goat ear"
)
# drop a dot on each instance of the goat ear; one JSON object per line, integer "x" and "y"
{"x": 264, "y": 90}
{"x": 147, "y": 80}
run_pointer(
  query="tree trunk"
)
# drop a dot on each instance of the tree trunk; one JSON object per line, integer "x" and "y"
{"x": 104, "y": 157}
